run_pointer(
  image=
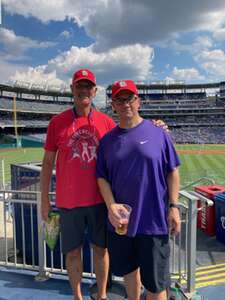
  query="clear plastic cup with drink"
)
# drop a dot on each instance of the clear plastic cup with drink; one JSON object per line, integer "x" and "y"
{"x": 124, "y": 212}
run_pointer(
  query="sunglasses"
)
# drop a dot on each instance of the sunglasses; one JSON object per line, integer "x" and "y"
{"x": 122, "y": 101}
{"x": 84, "y": 85}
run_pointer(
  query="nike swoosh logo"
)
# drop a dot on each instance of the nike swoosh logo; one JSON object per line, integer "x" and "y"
{"x": 143, "y": 142}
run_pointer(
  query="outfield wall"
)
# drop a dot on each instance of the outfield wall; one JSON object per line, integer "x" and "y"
{"x": 7, "y": 142}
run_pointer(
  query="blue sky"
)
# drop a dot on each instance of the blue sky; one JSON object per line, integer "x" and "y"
{"x": 44, "y": 42}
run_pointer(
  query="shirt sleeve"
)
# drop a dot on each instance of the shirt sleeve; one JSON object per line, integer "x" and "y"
{"x": 172, "y": 158}
{"x": 112, "y": 124}
{"x": 50, "y": 143}
{"x": 101, "y": 166}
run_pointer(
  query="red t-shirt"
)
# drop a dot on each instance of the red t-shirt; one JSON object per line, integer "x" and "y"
{"x": 76, "y": 139}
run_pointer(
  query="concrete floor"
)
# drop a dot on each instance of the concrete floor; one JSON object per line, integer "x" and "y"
{"x": 20, "y": 285}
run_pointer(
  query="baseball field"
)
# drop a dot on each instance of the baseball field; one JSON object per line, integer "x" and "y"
{"x": 197, "y": 161}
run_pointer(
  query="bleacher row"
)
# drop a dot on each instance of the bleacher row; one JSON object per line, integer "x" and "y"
{"x": 196, "y": 135}
{"x": 184, "y": 103}
{"x": 198, "y": 120}
{"x": 166, "y": 95}
{"x": 42, "y": 106}
{"x": 31, "y": 105}
{"x": 24, "y": 123}
{"x": 193, "y": 119}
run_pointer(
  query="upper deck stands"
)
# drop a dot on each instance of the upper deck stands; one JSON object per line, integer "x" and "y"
{"x": 186, "y": 108}
{"x": 33, "y": 106}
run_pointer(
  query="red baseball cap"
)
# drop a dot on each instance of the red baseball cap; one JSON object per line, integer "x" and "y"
{"x": 84, "y": 74}
{"x": 124, "y": 85}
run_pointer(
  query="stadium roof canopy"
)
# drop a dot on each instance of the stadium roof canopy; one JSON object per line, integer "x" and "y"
{"x": 172, "y": 86}
{"x": 36, "y": 90}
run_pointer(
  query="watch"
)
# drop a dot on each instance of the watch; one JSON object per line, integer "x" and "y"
{"x": 173, "y": 205}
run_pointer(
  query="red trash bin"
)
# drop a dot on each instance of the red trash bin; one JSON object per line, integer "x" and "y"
{"x": 206, "y": 216}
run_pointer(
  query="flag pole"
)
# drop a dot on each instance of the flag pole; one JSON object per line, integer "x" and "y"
{"x": 15, "y": 121}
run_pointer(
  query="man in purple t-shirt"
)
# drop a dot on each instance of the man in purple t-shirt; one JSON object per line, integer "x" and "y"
{"x": 137, "y": 165}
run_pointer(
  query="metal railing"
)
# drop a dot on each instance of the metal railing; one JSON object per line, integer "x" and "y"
{"x": 23, "y": 245}
{"x": 22, "y": 238}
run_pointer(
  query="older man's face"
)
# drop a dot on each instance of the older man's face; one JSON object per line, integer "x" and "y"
{"x": 83, "y": 91}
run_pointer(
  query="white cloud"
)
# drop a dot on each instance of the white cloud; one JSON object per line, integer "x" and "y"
{"x": 201, "y": 43}
{"x": 115, "y": 23}
{"x": 188, "y": 74}
{"x": 8, "y": 69}
{"x": 65, "y": 34}
{"x": 37, "y": 75}
{"x": 122, "y": 31}
{"x": 130, "y": 62}
{"x": 41, "y": 9}
{"x": 80, "y": 10}
{"x": 219, "y": 34}
{"x": 170, "y": 80}
{"x": 210, "y": 61}
{"x": 15, "y": 46}
{"x": 213, "y": 62}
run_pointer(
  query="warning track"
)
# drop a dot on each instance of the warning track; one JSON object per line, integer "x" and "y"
{"x": 202, "y": 152}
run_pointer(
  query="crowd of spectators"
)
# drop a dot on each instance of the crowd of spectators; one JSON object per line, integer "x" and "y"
{"x": 199, "y": 135}
{"x": 195, "y": 119}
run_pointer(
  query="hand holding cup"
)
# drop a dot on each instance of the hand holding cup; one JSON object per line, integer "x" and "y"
{"x": 119, "y": 215}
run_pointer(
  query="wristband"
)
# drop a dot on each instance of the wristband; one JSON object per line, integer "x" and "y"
{"x": 173, "y": 205}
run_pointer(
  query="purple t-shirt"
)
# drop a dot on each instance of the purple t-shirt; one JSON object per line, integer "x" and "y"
{"x": 136, "y": 162}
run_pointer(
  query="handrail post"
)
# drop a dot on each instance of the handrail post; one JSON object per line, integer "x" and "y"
{"x": 192, "y": 198}
{"x": 43, "y": 274}
{"x": 191, "y": 245}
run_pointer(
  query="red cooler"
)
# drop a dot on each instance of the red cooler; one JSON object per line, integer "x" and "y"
{"x": 206, "y": 216}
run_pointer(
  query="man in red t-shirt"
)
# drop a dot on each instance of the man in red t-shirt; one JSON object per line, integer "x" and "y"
{"x": 72, "y": 139}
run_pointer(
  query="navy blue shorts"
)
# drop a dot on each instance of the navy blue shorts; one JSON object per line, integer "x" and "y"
{"x": 149, "y": 253}
{"x": 76, "y": 222}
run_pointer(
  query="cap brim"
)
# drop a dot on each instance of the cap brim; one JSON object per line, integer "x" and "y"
{"x": 123, "y": 89}
{"x": 84, "y": 78}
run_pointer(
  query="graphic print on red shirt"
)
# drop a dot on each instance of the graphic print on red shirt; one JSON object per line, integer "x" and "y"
{"x": 76, "y": 140}
{"x": 84, "y": 144}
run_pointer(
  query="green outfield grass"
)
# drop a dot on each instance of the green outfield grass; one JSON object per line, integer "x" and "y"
{"x": 197, "y": 165}
{"x": 21, "y": 155}
{"x": 193, "y": 166}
